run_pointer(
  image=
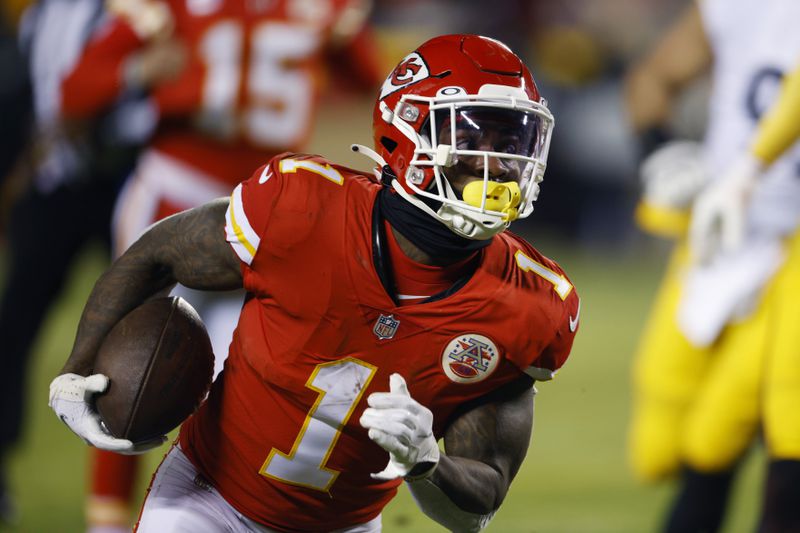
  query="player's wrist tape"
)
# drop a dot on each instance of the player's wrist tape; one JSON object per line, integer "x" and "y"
{"x": 437, "y": 505}
{"x": 421, "y": 471}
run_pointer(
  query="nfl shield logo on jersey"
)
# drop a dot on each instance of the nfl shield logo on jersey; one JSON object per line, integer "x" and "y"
{"x": 469, "y": 358}
{"x": 385, "y": 327}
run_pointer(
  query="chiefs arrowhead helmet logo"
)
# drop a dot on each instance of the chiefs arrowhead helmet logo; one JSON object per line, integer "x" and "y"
{"x": 405, "y": 71}
{"x": 410, "y": 70}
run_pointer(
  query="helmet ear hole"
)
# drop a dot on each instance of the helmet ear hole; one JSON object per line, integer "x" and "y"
{"x": 388, "y": 143}
{"x": 401, "y": 164}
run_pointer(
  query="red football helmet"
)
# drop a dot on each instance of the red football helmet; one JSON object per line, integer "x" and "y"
{"x": 458, "y": 109}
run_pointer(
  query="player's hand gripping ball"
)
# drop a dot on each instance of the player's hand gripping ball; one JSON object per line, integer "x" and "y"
{"x": 72, "y": 399}
{"x": 159, "y": 362}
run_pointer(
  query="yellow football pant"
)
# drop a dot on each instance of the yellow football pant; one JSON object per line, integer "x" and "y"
{"x": 703, "y": 407}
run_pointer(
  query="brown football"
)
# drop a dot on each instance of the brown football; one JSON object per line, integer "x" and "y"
{"x": 159, "y": 361}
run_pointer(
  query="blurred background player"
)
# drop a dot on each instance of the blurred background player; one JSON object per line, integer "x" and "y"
{"x": 15, "y": 101}
{"x": 64, "y": 187}
{"x": 14, "y": 97}
{"x": 716, "y": 362}
{"x": 247, "y": 92}
{"x": 719, "y": 223}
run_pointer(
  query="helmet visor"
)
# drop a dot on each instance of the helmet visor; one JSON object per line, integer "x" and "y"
{"x": 490, "y": 143}
{"x": 478, "y": 128}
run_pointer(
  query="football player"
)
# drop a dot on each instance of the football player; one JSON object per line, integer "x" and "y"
{"x": 248, "y": 91}
{"x": 67, "y": 166}
{"x": 718, "y": 360}
{"x": 385, "y": 311}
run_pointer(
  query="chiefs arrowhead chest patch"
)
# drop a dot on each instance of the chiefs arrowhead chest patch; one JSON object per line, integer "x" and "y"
{"x": 470, "y": 358}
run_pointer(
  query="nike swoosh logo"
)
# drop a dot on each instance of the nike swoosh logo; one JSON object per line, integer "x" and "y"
{"x": 573, "y": 322}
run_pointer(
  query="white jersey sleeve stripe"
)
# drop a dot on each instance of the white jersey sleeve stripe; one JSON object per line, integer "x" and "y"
{"x": 238, "y": 231}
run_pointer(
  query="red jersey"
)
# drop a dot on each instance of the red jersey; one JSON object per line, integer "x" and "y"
{"x": 279, "y": 435}
{"x": 252, "y": 80}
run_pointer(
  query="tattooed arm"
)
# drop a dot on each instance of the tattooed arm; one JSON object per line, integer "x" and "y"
{"x": 485, "y": 447}
{"x": 188, "y": 248}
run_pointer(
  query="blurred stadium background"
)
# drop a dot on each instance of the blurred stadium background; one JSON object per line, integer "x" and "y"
{"x": 575, "y": 478}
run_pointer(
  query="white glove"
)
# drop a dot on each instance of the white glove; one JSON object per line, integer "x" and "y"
{"x": 401, "y": 426}
{"x": 673, "y": 175}
{"x": 71, "y": 397}
{"x": 718, "y": 215}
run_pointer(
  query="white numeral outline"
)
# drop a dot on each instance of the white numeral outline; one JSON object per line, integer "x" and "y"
{"x": 340, "y": 385}
{"x": 290, "y": 166}
{"x": 560, "y": 283}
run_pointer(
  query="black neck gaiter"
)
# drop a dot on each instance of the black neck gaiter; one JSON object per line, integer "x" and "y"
{"x": 428, "y": 234}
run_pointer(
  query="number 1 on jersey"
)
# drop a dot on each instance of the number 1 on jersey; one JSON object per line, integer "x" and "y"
{"x": 560, "y": 283}
{"x": 340, "y": 385}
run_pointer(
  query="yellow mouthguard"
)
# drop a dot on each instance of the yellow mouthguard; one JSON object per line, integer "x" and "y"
{"x": 503, "y": 197}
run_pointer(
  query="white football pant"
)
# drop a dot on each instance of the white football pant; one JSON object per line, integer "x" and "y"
{"x": 181, "y": 501}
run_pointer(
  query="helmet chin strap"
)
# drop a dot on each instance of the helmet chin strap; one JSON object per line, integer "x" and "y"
{"x": 433, "y": 237}
{"x": 372, "y": 154}
{"x": 460, "y": 222}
